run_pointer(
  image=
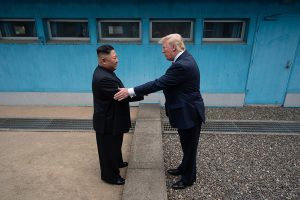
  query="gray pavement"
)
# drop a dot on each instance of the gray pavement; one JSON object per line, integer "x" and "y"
{"x": 53, "y": 165}
{"x": 64, "y": 165}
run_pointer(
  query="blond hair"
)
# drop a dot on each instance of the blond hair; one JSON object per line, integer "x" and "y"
{"x": 173, "y": 39}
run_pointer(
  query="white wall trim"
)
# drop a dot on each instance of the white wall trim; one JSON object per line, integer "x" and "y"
{"x": 46, "y": 99}
{"x": 224, "y": 99}
{"x": 292, "y": 100}
{"x": 210, "y": 99}
{"x": 86, "y": 99}
{"x": 152, "y": 98}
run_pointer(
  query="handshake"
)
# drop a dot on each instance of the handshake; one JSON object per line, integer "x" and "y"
{"x": 122, "y": 94}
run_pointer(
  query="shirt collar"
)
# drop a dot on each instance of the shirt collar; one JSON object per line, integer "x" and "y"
{"x": 181, "y": 52}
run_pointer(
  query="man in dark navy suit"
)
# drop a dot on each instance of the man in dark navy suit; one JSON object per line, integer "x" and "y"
{"x": 111, "y": 118}
{"x": 184, "y": 104}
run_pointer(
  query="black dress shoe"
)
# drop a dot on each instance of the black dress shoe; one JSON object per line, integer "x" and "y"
{"x": 124, "y": 164}
{"x": 180, "y": 185}
{"x": 119, "y": 181}
{"x": 174, "y": 172}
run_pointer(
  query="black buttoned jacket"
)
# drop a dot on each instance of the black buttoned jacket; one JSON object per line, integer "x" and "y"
{"x": 110, "y": 116}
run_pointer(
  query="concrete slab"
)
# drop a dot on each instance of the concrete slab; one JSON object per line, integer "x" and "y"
{"x": 150, "y": 111}
{"x": 148, "y": 127}
{"x": 146, "y": 150}
{"x": 54, "y": 165}
{"x": 146, "y": 187}
{"x": 145, "y": 178}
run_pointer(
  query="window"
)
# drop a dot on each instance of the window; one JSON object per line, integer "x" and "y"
{"x": 68, "y": 30}
{"x": 161, "y": 28}
{"x": 120, "y": 30}
{"x": 17, "y": 29}
{"x": 224, "y": 30}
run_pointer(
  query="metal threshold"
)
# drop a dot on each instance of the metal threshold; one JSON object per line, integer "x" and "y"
{"x": 39, "y": 124}
{"x": 244, "y": 127}
{"x": 212, "y": 126}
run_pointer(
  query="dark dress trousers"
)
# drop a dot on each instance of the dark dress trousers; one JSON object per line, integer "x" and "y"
{"x": 184, "y": 107}
{"x": 111, "y": 120}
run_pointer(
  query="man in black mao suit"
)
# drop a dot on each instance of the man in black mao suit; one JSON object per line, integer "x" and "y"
{"x": 111, "y": 118}
{"x": 184, "y": 104}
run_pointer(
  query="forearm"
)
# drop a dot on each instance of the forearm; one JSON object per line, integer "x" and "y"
{"x": 147, "y": 88}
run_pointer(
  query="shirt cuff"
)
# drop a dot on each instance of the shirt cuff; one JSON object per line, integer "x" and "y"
{"x": 131, "y": 92}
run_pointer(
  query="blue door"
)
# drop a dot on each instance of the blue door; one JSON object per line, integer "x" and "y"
{"x": 272, "y": 59}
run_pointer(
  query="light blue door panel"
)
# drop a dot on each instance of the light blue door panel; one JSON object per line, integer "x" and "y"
{"x": 273, "y": 57}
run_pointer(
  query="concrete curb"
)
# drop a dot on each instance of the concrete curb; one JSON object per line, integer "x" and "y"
{"x": 146, "y": 175}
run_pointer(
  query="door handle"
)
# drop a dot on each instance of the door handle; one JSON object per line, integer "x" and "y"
{"x": 288, "y": 64}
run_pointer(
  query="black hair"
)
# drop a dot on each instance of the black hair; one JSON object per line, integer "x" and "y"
{"x": 104, "y": 49}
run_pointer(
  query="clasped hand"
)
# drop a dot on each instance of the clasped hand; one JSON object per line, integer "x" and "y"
{"x": 122, "y": 94}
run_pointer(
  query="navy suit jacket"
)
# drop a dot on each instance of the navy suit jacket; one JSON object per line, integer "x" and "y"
{"x": 181, "y": 87}
{"x": 110, "y": 116}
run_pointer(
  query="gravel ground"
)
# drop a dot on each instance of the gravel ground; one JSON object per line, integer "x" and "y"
{"x": 254, "y": 113}
{"x": 241, "y": 166}
{"x": 251, "y": 113}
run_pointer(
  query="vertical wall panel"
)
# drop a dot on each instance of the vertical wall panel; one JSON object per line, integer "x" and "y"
{"x": 48, "y": 67}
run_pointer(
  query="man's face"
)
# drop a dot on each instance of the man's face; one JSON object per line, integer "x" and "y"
{"x": 168, "y": 51}
{"x": 109, "y": 61}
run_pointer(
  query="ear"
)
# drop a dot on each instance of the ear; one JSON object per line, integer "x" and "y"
{"x": 101, "y": 60}
{"x": 174, "y": 48}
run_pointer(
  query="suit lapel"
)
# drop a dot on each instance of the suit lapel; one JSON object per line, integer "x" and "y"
{"x": 119, "y": 81}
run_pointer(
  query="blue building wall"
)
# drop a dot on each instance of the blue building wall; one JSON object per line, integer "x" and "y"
{"x": 53, "y": 67}
{"x": 271, "y": 64}
{"x": 294, "y": 84}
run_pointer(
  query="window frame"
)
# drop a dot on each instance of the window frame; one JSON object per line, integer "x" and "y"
{"x": 101, "y": 39}
{"x": 191, "y": 39}
{"x": 240, "y": 39}
{"x": 79, "y": 39}
{"x": 19, "y": 38}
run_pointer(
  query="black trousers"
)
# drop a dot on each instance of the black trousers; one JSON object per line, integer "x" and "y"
{"x": 189, "y": 139}
{"x": 110, "y": 155}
